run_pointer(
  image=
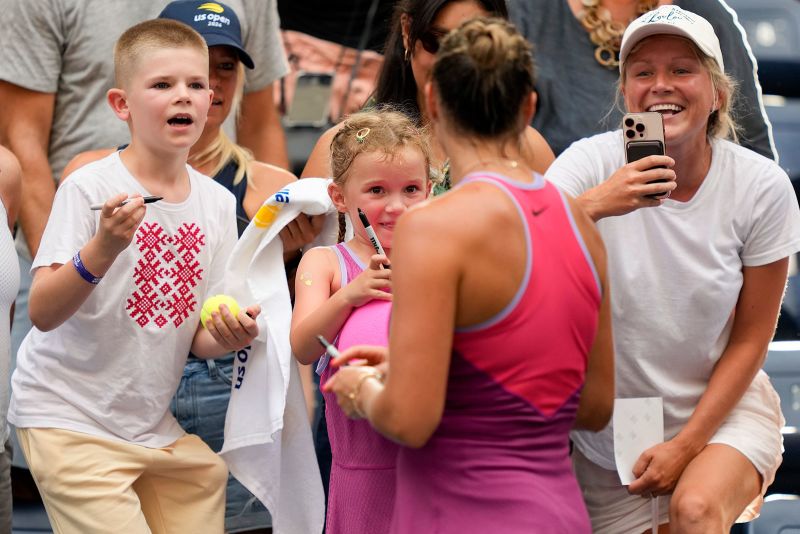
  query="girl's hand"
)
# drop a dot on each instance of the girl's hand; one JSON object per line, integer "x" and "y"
{"x": 372, "y": 355}
{"x": 659, "y": 468}
{"x": 374, "y": 282}
{"x": 628, "y": 188}
{"x": 233, "y": 332}
{"x": 118, "y": 224}
{"x": 347, "y": 384}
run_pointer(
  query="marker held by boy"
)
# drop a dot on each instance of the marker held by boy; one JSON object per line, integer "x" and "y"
{"x": 371, "y": 233}
{"x": 147, "y": 200}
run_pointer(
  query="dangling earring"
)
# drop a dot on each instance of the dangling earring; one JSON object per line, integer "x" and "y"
{"x": 407, "y": 54}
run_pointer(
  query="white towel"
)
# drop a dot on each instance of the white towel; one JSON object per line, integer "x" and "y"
{"x": 268, "y": 445}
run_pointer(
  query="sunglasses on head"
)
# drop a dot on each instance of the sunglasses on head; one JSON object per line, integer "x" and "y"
{"x": 430, "y": 40}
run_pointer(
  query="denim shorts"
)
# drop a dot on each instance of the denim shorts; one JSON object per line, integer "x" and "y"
{"x": 200, "y": 405}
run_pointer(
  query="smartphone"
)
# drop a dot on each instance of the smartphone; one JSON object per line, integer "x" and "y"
{"x": 643, "y": 135}
{"x": 311, "y": 101}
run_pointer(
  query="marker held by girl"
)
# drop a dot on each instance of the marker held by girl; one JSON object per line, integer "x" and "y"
{"x": 373, "y": 237}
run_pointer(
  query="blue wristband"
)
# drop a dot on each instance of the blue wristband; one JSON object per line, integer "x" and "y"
{"x": 85, "y": 274}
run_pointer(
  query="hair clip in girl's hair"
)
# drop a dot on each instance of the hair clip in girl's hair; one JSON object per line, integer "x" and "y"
{"x": 362, "y": 134}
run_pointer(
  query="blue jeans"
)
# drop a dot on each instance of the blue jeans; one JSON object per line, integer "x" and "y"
{"x": 200, "y": 405}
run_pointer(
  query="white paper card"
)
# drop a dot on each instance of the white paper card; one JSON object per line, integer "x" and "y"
{"x": 638, "y": 425}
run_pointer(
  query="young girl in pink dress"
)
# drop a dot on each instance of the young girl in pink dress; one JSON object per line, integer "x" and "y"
{"x": 380, "y": 165}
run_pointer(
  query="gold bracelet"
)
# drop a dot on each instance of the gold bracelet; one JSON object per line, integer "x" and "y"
{"x": 354, "y": 395}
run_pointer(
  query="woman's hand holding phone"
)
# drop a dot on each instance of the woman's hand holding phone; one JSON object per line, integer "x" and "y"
{"x": 643, "y": 135}
{"x": 631, "y": 187}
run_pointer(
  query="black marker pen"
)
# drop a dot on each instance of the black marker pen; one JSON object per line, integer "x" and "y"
{"x": 147, "y": 200}
{"x": 371, "y": 233}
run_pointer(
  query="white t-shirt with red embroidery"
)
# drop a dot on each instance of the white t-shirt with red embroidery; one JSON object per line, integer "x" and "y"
{"x": 111, "y": 369}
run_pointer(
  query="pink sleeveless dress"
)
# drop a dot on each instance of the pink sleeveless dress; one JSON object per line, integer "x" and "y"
{"x": 362, "y": 482}
{"x": 499, "y": 460}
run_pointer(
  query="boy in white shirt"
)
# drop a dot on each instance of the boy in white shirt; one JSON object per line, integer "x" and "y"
{"x": 115, "y": 304}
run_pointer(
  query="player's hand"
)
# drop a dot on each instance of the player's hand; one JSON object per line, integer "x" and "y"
{"x": 347, "y": 384}
{"x": 362, "y": 355}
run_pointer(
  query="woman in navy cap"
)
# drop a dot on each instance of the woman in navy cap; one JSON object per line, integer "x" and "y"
{"x": 201, "y": 401}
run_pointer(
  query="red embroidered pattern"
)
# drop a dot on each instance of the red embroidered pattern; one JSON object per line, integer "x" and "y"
{"x": 165, "y": 275}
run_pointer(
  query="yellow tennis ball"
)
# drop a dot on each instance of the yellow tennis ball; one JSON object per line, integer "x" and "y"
{"x": 212, "y": 304}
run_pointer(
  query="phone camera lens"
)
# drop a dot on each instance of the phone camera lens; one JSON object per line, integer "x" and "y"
{"x": 629, "y": 122}
{"x": 630, "y": 133}
{"x": 640, "y": 127}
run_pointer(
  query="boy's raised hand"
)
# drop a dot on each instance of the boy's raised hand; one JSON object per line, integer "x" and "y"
{"x": 374, "y": 282}
{"x": 118, "y": 223}
{"x": 234, "y": 332}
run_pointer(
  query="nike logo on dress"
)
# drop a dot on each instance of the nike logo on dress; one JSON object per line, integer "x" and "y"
{"x": 536, "y": 213}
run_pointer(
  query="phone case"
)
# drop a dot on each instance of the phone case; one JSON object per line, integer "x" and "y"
{"x": 643, "y": 134}
{"x": 637, "y": 150}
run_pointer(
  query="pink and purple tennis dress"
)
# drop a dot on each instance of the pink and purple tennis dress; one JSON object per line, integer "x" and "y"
{"x": 499, "y": 461}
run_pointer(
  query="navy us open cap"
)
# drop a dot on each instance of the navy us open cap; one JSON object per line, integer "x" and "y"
{"x": 215, "y": 21}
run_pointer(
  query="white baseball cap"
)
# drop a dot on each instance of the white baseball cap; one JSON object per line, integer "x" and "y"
{"x": 672, "y": 20}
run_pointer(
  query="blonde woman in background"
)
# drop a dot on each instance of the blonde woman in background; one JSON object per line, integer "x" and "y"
{"x": 577, "y": 44}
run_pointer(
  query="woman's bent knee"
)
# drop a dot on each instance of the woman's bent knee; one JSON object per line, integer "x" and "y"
{"x": 695, "y": 511}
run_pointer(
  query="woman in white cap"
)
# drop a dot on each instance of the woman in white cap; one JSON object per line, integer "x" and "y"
{"x": 577, "y": 44}
{"x": 698, "y": 279}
